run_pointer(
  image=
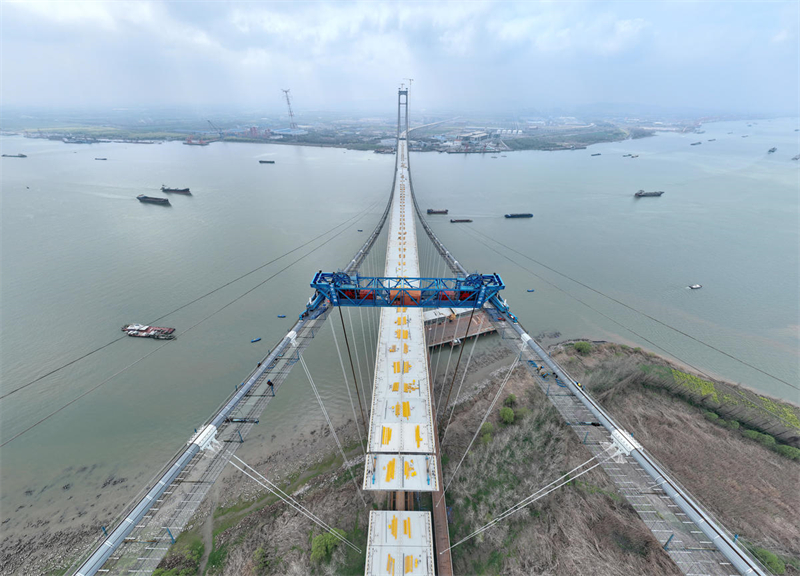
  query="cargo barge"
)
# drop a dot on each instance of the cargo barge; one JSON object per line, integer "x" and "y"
{"x": 14, "y": 156}
{"x": 459, "y": 220}
{"x": 432, "y": 211}
{"x": 643, "y": 194}
{"x": 266, "y": 161}
{"x": 176, "y": 190}
{"x": 151, "y": 200}
{"x": 142, "y": 331}
{"x": 525, "y": 215}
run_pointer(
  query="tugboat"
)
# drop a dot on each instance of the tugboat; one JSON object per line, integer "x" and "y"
{"x": 526, "y": 215}
{"x": 643, "y": 194}
{"x": 14, "y": 156}
{"x": 266, "y": 161}
{"x": 432, "y": 211}
{"x": 176, "y": 190}
{"x": 459, "y": 220}
{"x": 772, "y": 150}
{"x": 151, "y": 200}
{"x": 141, "y": 331}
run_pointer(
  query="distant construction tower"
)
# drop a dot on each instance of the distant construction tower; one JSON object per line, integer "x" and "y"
{"x": 292, "y": 123}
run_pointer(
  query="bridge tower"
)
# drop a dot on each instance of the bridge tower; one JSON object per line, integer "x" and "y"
{"x": 402, "y": 110}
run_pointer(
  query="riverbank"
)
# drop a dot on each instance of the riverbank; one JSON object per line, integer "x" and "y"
{"x": 241, "y": 529}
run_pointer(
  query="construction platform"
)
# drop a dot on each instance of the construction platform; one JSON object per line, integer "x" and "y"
{"x": 449, "y": 325}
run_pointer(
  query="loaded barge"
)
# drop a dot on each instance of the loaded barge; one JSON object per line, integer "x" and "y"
{"x": 266, "y": 161}
{"x": 459, "y": 220}
{"x": 176, "y": 190}
{"x": 525, "y": 215}
{"x": 141, "y": 331}
{"x": 152, "y": 200}
{"x": 432, "y": 211}
{"x": 643, "y": 194}
{"x": 14, "y": 156}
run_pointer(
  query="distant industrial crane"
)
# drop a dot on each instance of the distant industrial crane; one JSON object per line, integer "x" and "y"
{"x": 292, "y": 123}
{"x": 215, "y": 128}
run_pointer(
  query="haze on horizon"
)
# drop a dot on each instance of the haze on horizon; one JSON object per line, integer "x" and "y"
{"x": 716, "y": 57}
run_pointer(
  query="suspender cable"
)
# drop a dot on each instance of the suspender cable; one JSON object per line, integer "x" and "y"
{"x": 358, "y": 360}
{"x": 290, "y": 501}
{"x": 349, "y": 394}
{"x": 460, "y": 353}
{"x": 353, "y": 369}
{"x": 447, "y": 368}
{"x": 485, "y": 416}
{"x": 458, "y": 392}
{"x": 330, "y": 425}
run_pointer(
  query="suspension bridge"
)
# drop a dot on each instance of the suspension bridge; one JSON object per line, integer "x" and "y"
{"x": 403, "y": 455}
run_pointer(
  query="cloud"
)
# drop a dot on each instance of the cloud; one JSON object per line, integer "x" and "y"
{"x": 461, "y": 53}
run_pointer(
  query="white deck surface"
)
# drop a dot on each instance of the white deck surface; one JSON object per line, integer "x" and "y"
{"x": 401, "y": 421}
{"x": 399, "y": 543}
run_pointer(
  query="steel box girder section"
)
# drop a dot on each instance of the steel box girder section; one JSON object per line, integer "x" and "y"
{"x": 472, "y": 291}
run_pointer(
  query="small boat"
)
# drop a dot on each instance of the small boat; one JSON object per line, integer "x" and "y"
{"x": 433, "y": 211}
{"x": 531, "y": 290}
{"x": 634, "y": 155}
{"x": 455, "y": 343}
{"x": 101, "y": 158}
{"x": 254, "y": 340}
{"x": 713, "y": 140}
{"x": 151, "y": 200}
{"x": 459, "y": 220}
{"x": 14, "y": 156}
{"x": 627, "y": 155}
{"x": 266, "y": 161}
{"x": 281, "y": 315}
{"x": 504, "y": 156}
{"x": 772, "y": 150}
{"x": 596, "y": 154}
{"x": 796, "y": 157}
{"x": 696, "y": 286}
{"x": 175, "y": 190}
{"x": 525, "y": 215}
{"x": 695, "y": 144}
{"x": 745, "y": 136}
{"x": 360, "y": 230}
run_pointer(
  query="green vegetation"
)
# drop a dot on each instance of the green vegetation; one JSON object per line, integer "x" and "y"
{"x": 511, "y": 400}
{"x": 324, "y": 544}
{"x": 184, "y": 558}
{"x": 695, "y": 384}
{"x": 507, "y": 415}
{"x": 764, "y": 439}
{"x": 486, "y": 432}
{"x": 216, "y": 560}
{"x": 788, "y": 451}
{"x": 770, "y": 560}
{"x": 582, "y": 348}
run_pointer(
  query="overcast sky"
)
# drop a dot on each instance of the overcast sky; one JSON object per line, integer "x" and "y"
{"x": 720, "y": 56}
